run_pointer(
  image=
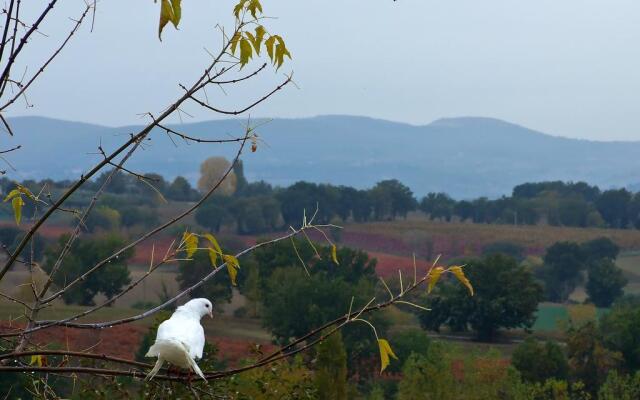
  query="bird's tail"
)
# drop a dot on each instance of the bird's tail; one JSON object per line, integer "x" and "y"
{"x": 196, "y": 369}
{"x": 175, "y": 351}
{"x": 155, "y": 369}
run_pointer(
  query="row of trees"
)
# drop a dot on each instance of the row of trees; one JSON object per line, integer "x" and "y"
{"x": 179, "y": 189}
{"x": 556, "y": 203}
{"x": 257, "y": 207}
{"x": 261, "y": 208}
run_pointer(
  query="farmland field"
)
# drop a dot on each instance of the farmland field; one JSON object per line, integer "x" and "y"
{"x": 629, "y": 262}
{"x": 430, "y": 238}
{"x": 391, "y": 243}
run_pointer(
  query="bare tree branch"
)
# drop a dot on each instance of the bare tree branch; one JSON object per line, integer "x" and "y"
{"x": 11, "y": 149}
{"x": 4, "y": 77}
{"x": 139, "y": 136}
{"x": 24, "y": 87}
{"x": 247, "y": 108}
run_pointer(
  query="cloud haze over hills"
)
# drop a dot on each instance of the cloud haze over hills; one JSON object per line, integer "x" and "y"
{"x": 465, "y": 157}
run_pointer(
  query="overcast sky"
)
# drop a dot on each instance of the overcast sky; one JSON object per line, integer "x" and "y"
{"x": 568, "y": 68}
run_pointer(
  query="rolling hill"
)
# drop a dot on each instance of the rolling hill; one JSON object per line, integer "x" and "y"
{"x": 465, "y": 157}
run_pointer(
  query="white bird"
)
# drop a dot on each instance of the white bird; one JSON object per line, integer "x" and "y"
{"x": 180, "y": 339}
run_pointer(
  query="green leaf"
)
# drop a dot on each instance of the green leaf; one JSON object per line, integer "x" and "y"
{"x": 17, "y": 204}
{"x": 434, "y": 275}
{"x": 245, "y": 52}
{"x": 166, "y": 15}
{"x": 459, "y": 273}
{"x": 385, "y": 352}
{"x": 190, "y": 243}
{"x": 177, "y": 12}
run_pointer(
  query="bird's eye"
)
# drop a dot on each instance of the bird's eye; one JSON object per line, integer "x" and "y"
{"x": 206, "y": 305}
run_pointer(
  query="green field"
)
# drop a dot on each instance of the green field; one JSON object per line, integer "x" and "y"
{"x": 553, "y": 317}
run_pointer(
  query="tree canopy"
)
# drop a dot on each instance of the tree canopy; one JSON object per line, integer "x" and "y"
{"x": 108, "y": 280}
{"x": 506, "y": 296}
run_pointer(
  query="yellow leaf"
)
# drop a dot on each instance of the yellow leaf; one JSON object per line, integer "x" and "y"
{"x": 238, "y": 8}
{"x": 232, "y": 267}
{"x": 166, "y": 15}
{"x": 459, "y": 273}
{"x": 269, "y": 43}
{"x": 253, "y": 7}
{"x": 253, "y": 41}
{"x": 231, "y": 260}
{"x": 234, "y": 42}
{"x": 260, "y": 32}
{"x": 281, "y": 52}
{"x": 434, "y": 275}
{"x": 214, "y": 242}
{"x": 12, "y": 194}
{"x": 213, "y": 257}
{"x": 190, "y": 243}
{"x": 385, "y": 352}
{"x": 37, "y": 359}
{"x": 279, "y": 56}
{"x": 334, "y": 254}
{"x": 245, "y": 52}
{"x": 26, "y": 191}
{"x": 17, "y": 204}
{"x": 232, "y": 274}
{"x": 177, "y": 12}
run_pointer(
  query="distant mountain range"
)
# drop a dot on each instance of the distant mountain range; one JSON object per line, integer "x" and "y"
{"x": 465, "y": 157}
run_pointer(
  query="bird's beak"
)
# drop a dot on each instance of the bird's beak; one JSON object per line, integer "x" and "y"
{"x": 211, "y": 313}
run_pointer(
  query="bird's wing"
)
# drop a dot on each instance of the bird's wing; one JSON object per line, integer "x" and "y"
{"x": 168, "y": 329}
{"x": 187, "y": 330}
{"x": 194, "y": 339}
